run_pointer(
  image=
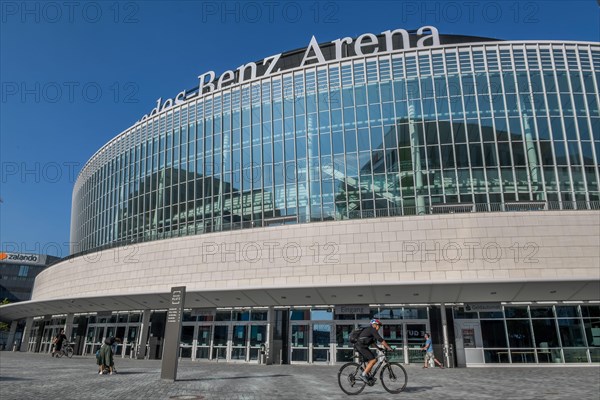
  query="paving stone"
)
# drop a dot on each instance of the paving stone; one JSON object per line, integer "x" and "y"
{"x": 39, "y": 376}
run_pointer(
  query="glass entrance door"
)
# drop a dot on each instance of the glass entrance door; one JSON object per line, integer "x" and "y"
{"x": 187, "y": 341}
{"x": 49, "y": 334}
{"x": 238, "y": 342}
{"x": 93, "y": 339}
{"x": 33, "y": 338}
{"x": 344, "y": 349}
{"x": 299, "y": 342}
{"x": 258, "y": 337}
{"x": 394, "y": 336}
{"x": 203, "y": 342}
{"x": 321, "y": 342}
{"x": 414, "y": 342}
{"x": 130, "y": 348}
{"x": 219, "y": 346}
{"x": 120, "y": 333}
{"x": 111, "y": 331}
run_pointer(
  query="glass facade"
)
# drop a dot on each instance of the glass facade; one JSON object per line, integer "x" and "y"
{"x": 539, "y": 334}
{"x": 483, "y": 126}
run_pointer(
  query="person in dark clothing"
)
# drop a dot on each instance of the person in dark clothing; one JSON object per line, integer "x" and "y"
{"x": 105, "y": 356}
{"x": 367, "y": 337}
{"x": 58, "y": 341}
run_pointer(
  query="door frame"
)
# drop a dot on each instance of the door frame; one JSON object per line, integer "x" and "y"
{"x": 308, "y": 347}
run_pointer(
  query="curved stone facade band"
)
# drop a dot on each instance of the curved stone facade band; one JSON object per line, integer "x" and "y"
{"x": 477, "y": 125}
{"x": 405, "y": 253}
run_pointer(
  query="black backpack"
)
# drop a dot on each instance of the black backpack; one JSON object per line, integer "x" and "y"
{"x": 354, "y": 335}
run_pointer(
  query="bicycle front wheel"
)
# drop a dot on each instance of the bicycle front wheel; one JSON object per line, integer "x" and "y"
{"x": 394, "y": 378}
{"x": 69, "y": 352}
{"x": 59, "y": 354}
{"x": 348, "y": 378}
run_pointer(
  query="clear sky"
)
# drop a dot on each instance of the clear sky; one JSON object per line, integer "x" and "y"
{"x": 75, "y": 74}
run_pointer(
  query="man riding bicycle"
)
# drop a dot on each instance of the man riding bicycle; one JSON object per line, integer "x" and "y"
{"x": 58, "y": 342}
{"x": 367, "y": 337}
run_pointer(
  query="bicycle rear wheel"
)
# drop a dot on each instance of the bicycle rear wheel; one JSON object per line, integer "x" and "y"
{"x": 69, "y": 352}
{"x": 348, "y": 378}
{"x": 394, "y": 378}
{"x": 59, "y": 353}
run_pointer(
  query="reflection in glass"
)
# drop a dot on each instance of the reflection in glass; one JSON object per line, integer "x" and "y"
{"x": 571, "y": 332}
{"x": 493, "y": 333}
{"x": 220, "y": 162}
{"x": 519, "y": 333}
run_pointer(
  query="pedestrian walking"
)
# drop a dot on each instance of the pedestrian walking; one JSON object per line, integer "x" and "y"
{"x": 429, "y": 352}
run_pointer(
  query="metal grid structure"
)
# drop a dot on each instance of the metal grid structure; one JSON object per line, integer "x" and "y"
{"x": 397, "y": 133}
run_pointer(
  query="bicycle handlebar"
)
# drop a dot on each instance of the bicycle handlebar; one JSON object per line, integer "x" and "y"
{"x": 386, "y": 350}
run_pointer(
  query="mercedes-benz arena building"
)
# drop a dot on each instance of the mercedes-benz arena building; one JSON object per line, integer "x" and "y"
{"x": 439, "y": 183}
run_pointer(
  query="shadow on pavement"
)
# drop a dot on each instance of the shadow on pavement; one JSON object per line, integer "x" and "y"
{"x": 417, "y": 389}
{"x": 231, "y": 377}
{"x": 131, "y": 372}
{"x": 12, "y": 378}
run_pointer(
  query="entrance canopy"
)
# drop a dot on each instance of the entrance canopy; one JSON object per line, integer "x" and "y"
{"x": 459, "y": 292}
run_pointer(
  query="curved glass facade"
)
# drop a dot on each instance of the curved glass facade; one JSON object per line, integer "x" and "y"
{"x": 473, "y": 125}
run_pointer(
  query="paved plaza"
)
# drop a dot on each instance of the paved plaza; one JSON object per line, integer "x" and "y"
{"x": 38, "y": 376}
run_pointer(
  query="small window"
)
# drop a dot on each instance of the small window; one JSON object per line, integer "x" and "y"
{"x": 590, "y": 311}
{"x": 259, "y": 315}
{"x": 134, "y": 317}
{"x": 321, "y": 314}
{"x": 223, "y": 316}
{"x": 23, "y": 270}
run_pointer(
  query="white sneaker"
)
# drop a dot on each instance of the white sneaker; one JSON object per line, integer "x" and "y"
{"x": 100, "y": 373}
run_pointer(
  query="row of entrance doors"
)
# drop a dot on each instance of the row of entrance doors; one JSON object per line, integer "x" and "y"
{"x": 41, "y": 339}
{"x": 128, "y": 333}
{"x": 229, "y": 342}
{"x": 308, "y": 341}
{"x": 326, "y": 342}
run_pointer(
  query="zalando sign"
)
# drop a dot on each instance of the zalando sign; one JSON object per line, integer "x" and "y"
{"x": 365, "y": 44}
{"x": 19, "y": 258}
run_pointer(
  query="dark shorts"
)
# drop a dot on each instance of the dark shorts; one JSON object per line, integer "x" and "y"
{"x": 367, "y": 354}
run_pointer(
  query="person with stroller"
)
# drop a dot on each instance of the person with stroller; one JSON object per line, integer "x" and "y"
{"x": 104, "y": 357}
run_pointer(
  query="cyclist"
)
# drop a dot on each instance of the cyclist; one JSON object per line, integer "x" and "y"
{"x": 58, "y": 341}
{"x": 367, "y": 337}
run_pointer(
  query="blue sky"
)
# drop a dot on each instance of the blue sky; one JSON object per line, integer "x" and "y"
{"x": 75, "y": 74}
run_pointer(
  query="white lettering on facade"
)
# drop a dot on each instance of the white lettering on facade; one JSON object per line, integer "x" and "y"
{"x": 365, "y": 40}
{"x": 366, "y": 43}
{"x": 314, "y": 46}
{"x": 272, "y": 62}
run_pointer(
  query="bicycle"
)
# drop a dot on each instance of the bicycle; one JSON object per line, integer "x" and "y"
{"x": 65, "y": 350}
{"x": 393, "y": 375}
